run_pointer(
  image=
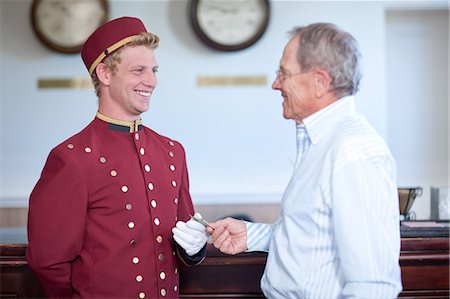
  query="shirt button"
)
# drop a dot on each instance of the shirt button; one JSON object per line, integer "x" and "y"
{"x": 172, "y": 167}
{"x": 176, "y": 271}
{"x": 136, "y": 136}
{"x": 135, "y": 260}
{"x": 124, "y": 189}
{"x": 70, "y": 146}
{"x": 139, "y": 278}
{"x": 153, "y": 203}
{"x": 163, "y": 292}
{"x": 171, "y": 143}
{"x": 159, "y": 239}
{"x": 129, "y": 206}
{"x": 147, "y": 167}
{"x": 150, "y": 186}
{"x": 142, "y": 295}
{"x": 87, "y": 150}
{"x": 133, "y": 242}
{"x": 175, "y": 288}
{"x": 142, "y": 151}
{"x": 174, "y": 183}
{"x": 113, "y": 173}
{"x": 175, "y": 200}
{"x": 156, "y": 221}
{"x": 102, "y": 160}
{"x": 171, "y": 154}
{"x": 162, "y": 275}
{"x": 131, "y": 224}
{"x": 161, "y": 257}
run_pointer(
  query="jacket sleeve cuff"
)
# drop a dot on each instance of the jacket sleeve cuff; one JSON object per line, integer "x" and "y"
{"x": 191, "y": 260}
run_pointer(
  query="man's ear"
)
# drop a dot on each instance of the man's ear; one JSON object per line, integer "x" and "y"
{"x": 322, "y": 82}
{"x": 103, "y": 73}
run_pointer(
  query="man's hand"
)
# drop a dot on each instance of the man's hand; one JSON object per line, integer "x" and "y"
{"x": 191, "y": 236}
{"x": 229, "y": 235}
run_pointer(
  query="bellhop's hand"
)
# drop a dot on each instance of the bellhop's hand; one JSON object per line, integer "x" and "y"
{"x": 191, "y": 236}
{"x": 229, "y": 235}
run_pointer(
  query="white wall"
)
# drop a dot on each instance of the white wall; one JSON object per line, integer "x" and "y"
{"x": 239, "y": 147}
{"x": 417, "y": 89}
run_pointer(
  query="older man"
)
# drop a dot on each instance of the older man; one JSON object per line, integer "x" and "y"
{"x": 338, "y": 232}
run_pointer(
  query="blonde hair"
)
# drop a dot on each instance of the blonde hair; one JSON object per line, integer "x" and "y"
{"x": 147, "y": 39}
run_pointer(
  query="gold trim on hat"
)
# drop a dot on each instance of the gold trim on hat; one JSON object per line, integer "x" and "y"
{"x": 109, "y": 50}
{"x": 133, "y": 125}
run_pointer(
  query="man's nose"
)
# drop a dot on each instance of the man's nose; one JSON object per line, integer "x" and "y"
{"x": 276, "y": 84}
{"x": 150, "y": 79}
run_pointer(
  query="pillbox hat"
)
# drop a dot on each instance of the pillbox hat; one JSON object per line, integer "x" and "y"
{"x": 109, "y": 37}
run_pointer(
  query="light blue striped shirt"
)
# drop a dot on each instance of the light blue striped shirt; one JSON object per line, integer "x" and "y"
{"x": 338, "y": 233}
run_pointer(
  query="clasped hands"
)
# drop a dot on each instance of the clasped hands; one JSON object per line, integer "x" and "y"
{"x": 228, "y": 235}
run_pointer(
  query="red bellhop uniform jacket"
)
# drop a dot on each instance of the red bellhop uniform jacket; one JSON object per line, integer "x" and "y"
{"x": 101, "y": 214}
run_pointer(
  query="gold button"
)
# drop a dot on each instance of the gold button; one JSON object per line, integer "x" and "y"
{"x": 70, "y": 146}
{"x": 131, "y": 224}
{"x": 142, "y": 295}
{"x": 175, "y": 288}
{"x": 136, "y": 136}
{"x": 135, "y": 260}
{"x": 174, "y": 183}
{"x": 139, "y": 278}
{"x": 162, "y": 275}
{"x": 88, "y": 150}
{"x": 172, "y": 167}
{"x": 142, "y": 151}
{"x": 163, "y": 292}
{"x": 102, "y": 160}
{"x": 171, "y": 143}
{"x": 113, "y": 173}
{"x": 153, "y": 203}
{"x": 156, "y": 221}
{"x": 129, "y": 206}
{"x": 171, "y": 154}
{"x": 147, "y": 167}
{"x": 150, "y": 186}
{"x": 159, "y": 239}
{"x": 161, "y": 257}
{"x": 175, "y": 200}
{"x": 124, "y": 189}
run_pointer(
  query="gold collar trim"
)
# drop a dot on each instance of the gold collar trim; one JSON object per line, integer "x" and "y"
{"x": 133, "y": 126}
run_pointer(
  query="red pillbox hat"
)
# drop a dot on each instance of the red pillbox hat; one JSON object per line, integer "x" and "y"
{"x": 109, "y": 37}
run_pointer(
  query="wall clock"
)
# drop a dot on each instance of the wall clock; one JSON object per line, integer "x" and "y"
{"x": 64, "y": 25}
{"x": 230, "y": 25}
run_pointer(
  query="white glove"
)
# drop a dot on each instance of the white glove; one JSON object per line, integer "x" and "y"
{"x": 191, "y": 236}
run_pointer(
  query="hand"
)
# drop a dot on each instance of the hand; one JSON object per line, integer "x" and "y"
{"x": 191, "y": 236}
{"x": 229, "y": 235}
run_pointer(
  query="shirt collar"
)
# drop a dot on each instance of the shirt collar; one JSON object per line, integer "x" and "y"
{"x": 320, "y": 123}
{"x": 121, "y": 125}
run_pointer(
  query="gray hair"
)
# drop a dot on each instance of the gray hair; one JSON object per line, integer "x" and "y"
{"x": 328, "y": 47}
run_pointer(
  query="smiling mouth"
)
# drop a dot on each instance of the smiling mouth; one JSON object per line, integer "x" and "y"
{"x": 144, "y": 93}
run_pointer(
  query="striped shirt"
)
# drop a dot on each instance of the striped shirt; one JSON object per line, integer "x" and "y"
{"x": 338, "y": 233}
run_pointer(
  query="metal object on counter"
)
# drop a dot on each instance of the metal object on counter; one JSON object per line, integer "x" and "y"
{"x": 406, "y": 197}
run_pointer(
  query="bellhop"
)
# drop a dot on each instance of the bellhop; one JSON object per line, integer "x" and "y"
{"x": 109, "y": 196}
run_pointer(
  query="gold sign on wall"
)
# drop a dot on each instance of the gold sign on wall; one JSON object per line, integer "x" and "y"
{"x": 70, "y": 83}
{"x": 204, "y": 81}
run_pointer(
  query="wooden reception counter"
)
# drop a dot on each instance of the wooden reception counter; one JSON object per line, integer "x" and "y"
{"x": 424, "y": 261}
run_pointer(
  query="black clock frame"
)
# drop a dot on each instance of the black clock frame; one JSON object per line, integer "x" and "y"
{"x": 221, "y": 47}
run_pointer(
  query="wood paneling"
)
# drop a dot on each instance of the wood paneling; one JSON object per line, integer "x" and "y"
{"x": 424, "y": 263}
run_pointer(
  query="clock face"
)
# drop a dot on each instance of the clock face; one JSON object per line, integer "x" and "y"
{"x": 230, "y": 25}
{"x": 64, "y": 25}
